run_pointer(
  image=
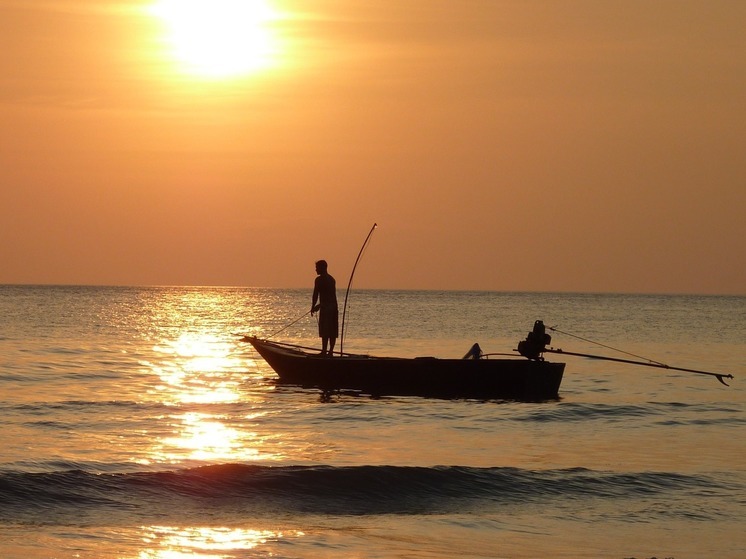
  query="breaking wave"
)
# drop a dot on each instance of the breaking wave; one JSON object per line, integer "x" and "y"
{"x": 77, "y": 495}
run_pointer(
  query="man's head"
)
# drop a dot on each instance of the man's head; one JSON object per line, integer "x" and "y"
{"x": 321, "y": 267}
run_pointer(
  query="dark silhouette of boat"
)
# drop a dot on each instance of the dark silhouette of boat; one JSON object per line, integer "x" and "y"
{"x": 476, "y": 376}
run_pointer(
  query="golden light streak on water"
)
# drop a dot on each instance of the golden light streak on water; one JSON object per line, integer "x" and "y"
{"x": 198, "y": 368}
{"x": 201, "y": 369}
{"x": 205, "y": 542}
{"x": 206, "y": 438}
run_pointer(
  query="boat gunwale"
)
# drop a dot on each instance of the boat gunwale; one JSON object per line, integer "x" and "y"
{"x": 300, "y": 351}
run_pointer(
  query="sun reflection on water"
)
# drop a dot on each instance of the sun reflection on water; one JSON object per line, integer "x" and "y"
{"x": 168, "y": 542}
{"x": 198, "y": 369}
{"x": 204, "y": 379}
{"x": 207, "y": 438}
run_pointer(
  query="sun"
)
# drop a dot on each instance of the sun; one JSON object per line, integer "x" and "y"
{"x": 218, "y": 38}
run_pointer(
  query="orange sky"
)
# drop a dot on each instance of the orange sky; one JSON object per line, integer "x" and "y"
{"x": 516, "y": 145}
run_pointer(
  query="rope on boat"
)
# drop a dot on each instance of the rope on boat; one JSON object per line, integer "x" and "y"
{"x": 647, "y": 362}
{"x": 555, "y": 329}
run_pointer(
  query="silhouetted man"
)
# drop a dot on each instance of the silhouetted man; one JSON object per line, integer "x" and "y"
{"x": 325, "y": 292}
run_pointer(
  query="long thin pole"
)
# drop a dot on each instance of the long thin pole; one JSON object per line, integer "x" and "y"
{"x": 719, "y": 376}
{"x": 349, "y": 285}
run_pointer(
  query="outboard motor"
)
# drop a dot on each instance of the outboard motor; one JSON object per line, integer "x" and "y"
{"x": 536, "y": 342}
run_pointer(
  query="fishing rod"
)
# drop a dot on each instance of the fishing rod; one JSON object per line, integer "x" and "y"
{"x": 646, "y": 363}
{"x": 555, "y": 329}
{"x": 304, "y": 315}
{"x": 349, "y": 285}
{"x": 719, "y": 376}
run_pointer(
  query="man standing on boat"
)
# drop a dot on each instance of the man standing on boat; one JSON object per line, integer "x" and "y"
{"x": 325, "y": 293}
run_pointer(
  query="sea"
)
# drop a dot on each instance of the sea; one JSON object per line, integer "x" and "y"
{"x": 135, "y": 424}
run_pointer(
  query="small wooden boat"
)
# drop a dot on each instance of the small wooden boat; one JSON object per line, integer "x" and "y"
{"x": 477, "y": 375}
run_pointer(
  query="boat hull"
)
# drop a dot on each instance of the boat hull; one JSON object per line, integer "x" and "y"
{"x": 520, "y": 379}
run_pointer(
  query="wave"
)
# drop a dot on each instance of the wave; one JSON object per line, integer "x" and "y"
{"x": 660, "y": 413}
{"x": 228, "y": 489}
{"x": 590, "y": 411}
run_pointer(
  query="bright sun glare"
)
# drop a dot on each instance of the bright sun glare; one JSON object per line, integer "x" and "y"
{"x": 218, "y": 38}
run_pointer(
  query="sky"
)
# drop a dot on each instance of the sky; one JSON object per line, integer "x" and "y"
{"x": 527, "y": 145}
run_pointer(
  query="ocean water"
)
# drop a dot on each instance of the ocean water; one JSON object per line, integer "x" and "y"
{"x": 134, "y": 424}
